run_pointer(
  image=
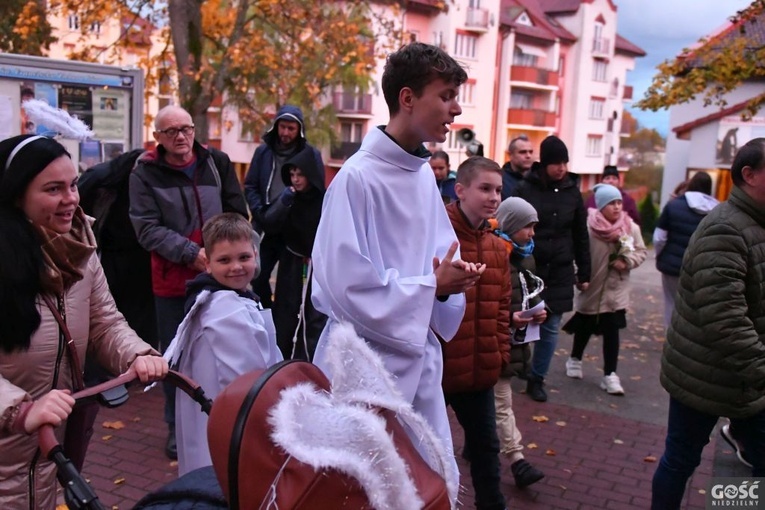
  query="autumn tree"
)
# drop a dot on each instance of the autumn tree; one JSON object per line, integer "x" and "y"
{"x": 258, "y": 54}
{"x": 24, "y": 28}
{"x": 714, "y": 66}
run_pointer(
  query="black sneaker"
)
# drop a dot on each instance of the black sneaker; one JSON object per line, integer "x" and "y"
{"x": 171, "y": 449}
{"x": 726, "y": 434}
{"x": 525, "y": 474}
{"x": 535, "y": 388}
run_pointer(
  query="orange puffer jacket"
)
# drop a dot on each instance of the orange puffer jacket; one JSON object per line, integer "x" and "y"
{"x": 475, "y": 356}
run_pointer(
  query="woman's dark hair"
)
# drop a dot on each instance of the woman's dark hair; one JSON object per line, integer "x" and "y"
{"x": 21, "y": 258}
{"x": 751, "y": 154}
{"x": 441, "y": 155}
{"x": 701, "y": 182}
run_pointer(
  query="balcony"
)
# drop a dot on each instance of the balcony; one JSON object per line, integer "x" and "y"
{"x": 352, "y": 103}
{"x": 539, "y": 76}
{"x": 529, "y": 117}
{"x": 627, "y": 96}
{"x": 344, "y": 151}
{"x": 477, "y": 19}
{"x": 601, "y": 47}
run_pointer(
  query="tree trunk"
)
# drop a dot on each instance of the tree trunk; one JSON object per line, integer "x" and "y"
{"x": 186, "y": 29}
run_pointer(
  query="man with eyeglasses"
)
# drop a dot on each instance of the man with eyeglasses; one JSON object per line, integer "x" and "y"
{"x": 521, "y": 157}
{"x": 174, "y": 189}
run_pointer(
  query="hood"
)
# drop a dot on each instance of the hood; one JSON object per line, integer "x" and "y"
{"x": 700, "y": 203}
{"x": 305, "y": 160}
{"x": 204, "y": 281}
{"x": 287, "y": 112}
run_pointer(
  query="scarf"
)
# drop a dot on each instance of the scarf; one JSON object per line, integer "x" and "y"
{"x": 525, "y": 250}
{"x": 65, "y": 255}
{"x": 606, "y": 231}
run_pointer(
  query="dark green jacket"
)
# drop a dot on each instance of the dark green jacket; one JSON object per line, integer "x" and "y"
{"x": 714, "y": 358}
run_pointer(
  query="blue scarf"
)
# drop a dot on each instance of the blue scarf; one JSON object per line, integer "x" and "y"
{"x": 525, "y": 250}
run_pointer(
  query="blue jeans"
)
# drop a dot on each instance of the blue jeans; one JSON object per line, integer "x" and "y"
{"x": 688, "y": 432}
{"x": 544, "y": 348}
{"x": 475, "y": 413}
{"x": 169, "y": 316}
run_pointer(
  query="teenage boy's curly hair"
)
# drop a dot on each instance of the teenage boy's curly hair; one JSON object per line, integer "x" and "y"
{"x": 415, "y": 66}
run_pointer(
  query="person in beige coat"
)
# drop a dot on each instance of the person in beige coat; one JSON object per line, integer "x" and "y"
{"x": 616, "y": 248}
{"x": 47, "y": 247}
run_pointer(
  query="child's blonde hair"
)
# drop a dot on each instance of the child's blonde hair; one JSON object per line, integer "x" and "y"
{"x": 230, "y": 227}
{"x": 469, "y": 169}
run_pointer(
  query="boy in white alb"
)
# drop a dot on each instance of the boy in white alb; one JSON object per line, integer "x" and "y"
{"x": 225, "y": 333}
{"x": 385, "y": 256}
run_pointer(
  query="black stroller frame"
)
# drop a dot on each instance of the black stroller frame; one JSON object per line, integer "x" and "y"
{"x": 79, "y": 494}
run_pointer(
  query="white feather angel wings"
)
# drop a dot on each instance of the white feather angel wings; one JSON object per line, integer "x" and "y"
{"x": 56, "y": 119}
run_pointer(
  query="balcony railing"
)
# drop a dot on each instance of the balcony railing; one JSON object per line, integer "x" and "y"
{"x": 477, "y": 18}
{"x": 536, "y": 75}
{"x": 627, "y": 93}
{"x": 531, "y": 117}
{"x": 344, "y": 151}
{"x": 601, "y": 46}
{"x": 351, "y": 102}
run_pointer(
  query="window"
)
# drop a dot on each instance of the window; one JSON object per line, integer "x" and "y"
{"x": 561, "y": 66}
{"x": 465, "y": 45}
{"x": 95, "y": 27}
{"x": 597, "y": 107}
{"x": 524, "y": 59}
{"x": 438, "y": 39}
{"x": 474, "y": 4}
{"x": 521, "y": 100}
{"x": 465, "y": 96}
{"x": 594, "y": 145}
{"x": 351, "y": 132}
{"x": 599, "y": 70}
{"x": 614, "y": 88}
{"x": 74, "y": 22}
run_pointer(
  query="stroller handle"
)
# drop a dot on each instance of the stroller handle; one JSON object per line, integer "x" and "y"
{"x": 47, "y": 439}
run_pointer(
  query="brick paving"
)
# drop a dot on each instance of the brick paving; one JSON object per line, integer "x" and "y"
{"x": 597, "y": 451}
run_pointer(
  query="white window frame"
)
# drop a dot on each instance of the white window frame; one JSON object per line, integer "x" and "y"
{"x": 594, "y": 146}
{"x": 74, "y": 21}
{"x": 465, "y": 46}
{"x": 466, "y": 94}
{"x": 521, "y": 100}
{"x": 597, "y": 108}
{"x": 351, "y": 132}
{"x": 599, "y": 70}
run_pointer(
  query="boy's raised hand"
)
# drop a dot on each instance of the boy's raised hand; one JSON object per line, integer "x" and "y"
{"x": 454, "y": 276}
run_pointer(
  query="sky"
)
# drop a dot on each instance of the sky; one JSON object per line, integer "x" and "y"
{"x": 663, "y": 28}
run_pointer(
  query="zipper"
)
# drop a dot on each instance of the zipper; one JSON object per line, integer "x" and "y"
{"x": 59, "y": 356}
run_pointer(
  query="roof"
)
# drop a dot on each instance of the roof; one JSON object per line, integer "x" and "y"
{"x": 545, "y": 27}
{"x": 751, "y": 24}
{"x": 684, "y": 129}
{"x": 560, "y": 6}
{"x": 625, "y": 46}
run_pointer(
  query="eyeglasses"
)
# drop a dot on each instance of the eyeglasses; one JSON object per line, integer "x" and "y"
{"x": 173, "y": 132}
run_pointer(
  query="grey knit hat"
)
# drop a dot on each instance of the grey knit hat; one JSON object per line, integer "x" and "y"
{"x": 515, "y": 213}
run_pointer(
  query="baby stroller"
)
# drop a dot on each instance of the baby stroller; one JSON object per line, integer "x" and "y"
{"x": 356, "y": 455}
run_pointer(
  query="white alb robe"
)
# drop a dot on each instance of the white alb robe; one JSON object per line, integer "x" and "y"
{"x": 222, "y": 337}
{"x": 383, "y": 221}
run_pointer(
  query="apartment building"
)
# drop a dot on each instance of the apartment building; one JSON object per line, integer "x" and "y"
{"x": 535, "y": 67}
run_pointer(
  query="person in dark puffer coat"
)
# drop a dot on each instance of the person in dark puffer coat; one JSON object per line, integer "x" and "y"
{"x": 713, "y": 362}
{"x": 677, "y": 223}
{"x": 561, "y": 239}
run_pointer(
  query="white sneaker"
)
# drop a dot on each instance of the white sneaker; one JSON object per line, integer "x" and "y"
{"x": 574, "y": 368}
{"x": 612, "y": 384}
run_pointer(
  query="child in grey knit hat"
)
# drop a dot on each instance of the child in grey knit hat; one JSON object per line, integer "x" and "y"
{"x": 516, "y": 219}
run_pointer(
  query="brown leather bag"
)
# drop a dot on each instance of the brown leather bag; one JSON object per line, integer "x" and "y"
{"x": 256, "y": 473}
